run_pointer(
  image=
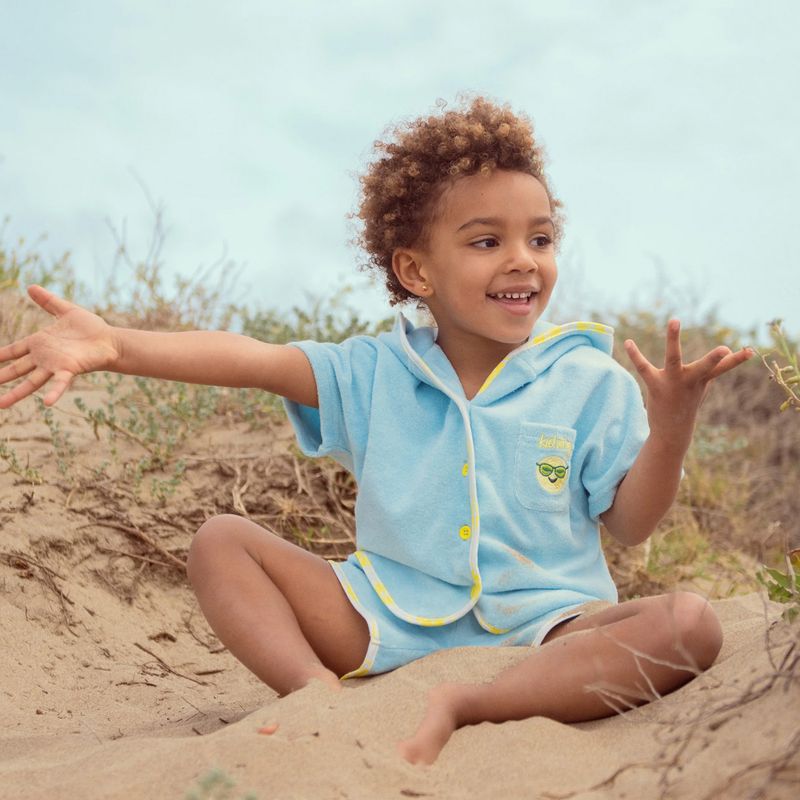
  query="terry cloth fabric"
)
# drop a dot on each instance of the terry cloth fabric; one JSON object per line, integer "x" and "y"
{"x": 394, "y": 643}
{"x": 487, "y": 505}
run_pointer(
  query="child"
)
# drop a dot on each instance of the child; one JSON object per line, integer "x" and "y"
{"x": 486, "y": 450}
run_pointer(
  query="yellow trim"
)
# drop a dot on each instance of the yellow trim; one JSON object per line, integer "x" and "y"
{"x": 362, "y": 559}
{"x": 378, "y": 585}
{"x": 493, "y": 374}
{"x": 374, "y": 633}
{"x": 356, "y": 673}
{"x": 434, "y": 622}
{"x": 416, "y": 619}
{"x": 470, "y": 473}
{"x": 492, "y": 629}
{"x": 553, "y": 333}
{"x": 487, "y": 626}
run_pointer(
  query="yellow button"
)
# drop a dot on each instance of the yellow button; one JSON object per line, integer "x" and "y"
{"x": 465, "y": 468}
{"x": 465, "y": 532}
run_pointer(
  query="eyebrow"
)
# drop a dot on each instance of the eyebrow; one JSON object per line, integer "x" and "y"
{"x": 498, "y": 221}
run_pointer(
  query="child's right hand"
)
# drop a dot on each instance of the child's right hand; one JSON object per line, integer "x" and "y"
{"x": 78, "y": 341}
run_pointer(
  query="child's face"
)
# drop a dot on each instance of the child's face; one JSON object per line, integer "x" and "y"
{"x": 491, "y": 235}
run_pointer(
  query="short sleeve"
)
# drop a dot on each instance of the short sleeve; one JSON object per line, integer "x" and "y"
{"x": 343, "y": 374}
{"x": 617, "y": 430}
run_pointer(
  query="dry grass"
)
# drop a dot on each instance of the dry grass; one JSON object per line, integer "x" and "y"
{"x": 736, "y": 504}
{"x": 143, "y": 473}
{"x": 738, "y": 495}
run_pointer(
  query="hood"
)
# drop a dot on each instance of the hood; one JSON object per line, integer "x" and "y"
{"x": 416, "y": 348}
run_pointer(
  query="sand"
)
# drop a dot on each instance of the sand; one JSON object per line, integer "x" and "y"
{"x": 114, "y": 687}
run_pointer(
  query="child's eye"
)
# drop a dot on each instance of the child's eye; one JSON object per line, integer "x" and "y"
{"x": 490, "y": 242}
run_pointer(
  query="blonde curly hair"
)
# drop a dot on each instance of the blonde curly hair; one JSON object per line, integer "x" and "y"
{"x": 417, "y": 160}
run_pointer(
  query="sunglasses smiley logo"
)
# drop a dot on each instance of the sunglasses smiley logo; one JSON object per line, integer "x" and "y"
{"x": 551, "y": 472}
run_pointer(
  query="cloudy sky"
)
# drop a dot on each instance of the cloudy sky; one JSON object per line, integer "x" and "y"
{"x": 670, "y": 128}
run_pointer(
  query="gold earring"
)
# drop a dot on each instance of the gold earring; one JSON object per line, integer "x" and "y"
{"x": 424, "y": 287}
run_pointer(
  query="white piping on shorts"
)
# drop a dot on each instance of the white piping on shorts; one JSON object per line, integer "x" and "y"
{"x": 372, "y": 624}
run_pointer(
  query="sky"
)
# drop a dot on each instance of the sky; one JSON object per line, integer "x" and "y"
{"x": 669, "y": 129}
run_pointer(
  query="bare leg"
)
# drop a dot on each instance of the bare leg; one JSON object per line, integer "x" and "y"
{"x": 278, "y": 608}
{"x": 619, "y": 658}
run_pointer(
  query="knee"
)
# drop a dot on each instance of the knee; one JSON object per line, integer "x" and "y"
{"x": 695, "y": 626}
{"x": 213, "y": 537}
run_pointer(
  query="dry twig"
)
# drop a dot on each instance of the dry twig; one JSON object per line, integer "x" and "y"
{"x": 47, "y": 577}
{"x": 168, "y": 667}
{"x": 141, "y": 536}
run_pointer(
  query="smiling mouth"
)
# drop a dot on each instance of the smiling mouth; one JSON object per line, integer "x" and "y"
{"x": 521, "y": 300}
{"x": 519, "y": 296}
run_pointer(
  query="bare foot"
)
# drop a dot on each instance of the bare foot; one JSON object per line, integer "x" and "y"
{"x": 436, "y": 728}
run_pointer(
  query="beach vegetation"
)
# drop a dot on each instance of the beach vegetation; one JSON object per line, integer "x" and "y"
{"x": 732, "y": 522}
{"x": 26, "y": 472}
{"x": 216, "y": 784}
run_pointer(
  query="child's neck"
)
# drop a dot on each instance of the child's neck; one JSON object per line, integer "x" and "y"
{"x": 473, "y": 358}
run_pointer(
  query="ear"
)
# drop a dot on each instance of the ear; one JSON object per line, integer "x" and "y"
{"x": 407, "y": 266}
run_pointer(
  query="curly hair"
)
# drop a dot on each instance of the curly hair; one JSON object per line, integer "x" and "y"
{"x": 418, "y": 160}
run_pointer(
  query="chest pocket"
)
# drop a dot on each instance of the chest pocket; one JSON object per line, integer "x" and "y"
{"x": 542, "y": 466}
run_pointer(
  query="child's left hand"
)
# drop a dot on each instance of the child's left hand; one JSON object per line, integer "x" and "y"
{"x": 674, "y": 394}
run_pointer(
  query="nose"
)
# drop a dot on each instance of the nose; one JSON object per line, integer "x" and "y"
{"x": 521, "y": 258}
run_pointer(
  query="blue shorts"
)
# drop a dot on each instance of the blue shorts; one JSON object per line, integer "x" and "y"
{"x": 394, "y": 642}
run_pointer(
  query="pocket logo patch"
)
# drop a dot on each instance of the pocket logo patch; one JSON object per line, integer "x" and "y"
{"x": 551, "y": 472}
{"x": 543, "y": 468}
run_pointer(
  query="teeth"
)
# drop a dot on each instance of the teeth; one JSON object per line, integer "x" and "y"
{"x": 512, "y": 295}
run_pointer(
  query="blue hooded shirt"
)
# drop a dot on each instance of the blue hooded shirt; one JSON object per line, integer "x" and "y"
{"x": 488, "y": 505}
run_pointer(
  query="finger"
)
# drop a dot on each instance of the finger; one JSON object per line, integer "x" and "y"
{"x": 51, "y": 303}
{"x": 703, "y": 366}
{"x": 673, "y": 358}
{"x": 61, "y": 382}
{"x": 731, "y": 361}
{"x": 643, "y": 366}
{"x": 16, "y": 369}
{"x": 37, "y": 379}
{"x": 13, "y": 350}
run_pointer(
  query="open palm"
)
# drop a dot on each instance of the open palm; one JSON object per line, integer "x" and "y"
{"x": 78, "y": 341}
{"x": 675, "y": 392}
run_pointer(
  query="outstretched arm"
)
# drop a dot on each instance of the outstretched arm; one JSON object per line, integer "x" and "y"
{"x": 674, "y": 395}
{"x": 79, "y": 341}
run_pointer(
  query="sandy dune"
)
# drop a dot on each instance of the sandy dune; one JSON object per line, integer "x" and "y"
{"x": 114, "y": 687}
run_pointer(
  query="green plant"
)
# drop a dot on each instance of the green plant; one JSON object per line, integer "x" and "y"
{"x": 783, "y": 587}
{"x": 157, "y": 416}
{"x": 326, "y": 319}
{"x": 215, "y": 785}
{"x": 162, "y": 490}
{"x": 27, "y": 473}
{"x": 65, "y": 452}
{"x": 786, "y": 375}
